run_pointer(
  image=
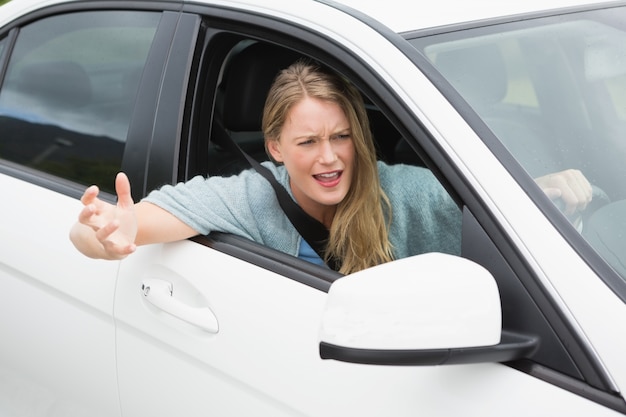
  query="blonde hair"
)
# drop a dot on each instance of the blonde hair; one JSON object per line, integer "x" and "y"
{"x": 359, "y": 235}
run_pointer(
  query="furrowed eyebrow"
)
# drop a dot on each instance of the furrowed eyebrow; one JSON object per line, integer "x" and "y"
{"x": 346, "y": 131}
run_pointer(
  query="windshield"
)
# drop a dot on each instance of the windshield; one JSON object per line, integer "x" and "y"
{"x": 553, "y": 91}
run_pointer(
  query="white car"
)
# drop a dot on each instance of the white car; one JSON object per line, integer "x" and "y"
{"x": 530, "y": 321}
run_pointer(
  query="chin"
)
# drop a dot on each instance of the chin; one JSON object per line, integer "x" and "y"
{"x": 332, "y": 200}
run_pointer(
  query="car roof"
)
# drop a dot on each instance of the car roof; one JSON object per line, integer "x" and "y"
{"x": 402, "y": 16}
{"x": 398, "y": 15}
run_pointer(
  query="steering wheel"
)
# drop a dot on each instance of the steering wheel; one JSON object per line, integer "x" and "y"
{"x": 605, "y": 231}
{"x": 599, "y": 199}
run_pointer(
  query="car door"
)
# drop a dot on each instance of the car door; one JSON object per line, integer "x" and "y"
{"x": 221, "y": 325}
{"x": 198, "y": 330}
{"x": 69, "y": 83}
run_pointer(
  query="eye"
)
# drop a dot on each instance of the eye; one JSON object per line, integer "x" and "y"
{"x": 306, "y": 141}
{"x": 341, "y": 136}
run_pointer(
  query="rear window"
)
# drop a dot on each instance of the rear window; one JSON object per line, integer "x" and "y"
{"x": 67, "y": 99}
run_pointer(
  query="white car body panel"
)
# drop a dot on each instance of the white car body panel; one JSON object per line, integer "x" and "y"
{"x": 435, "y": 14}
{"x": 67, "y": 366}
{"x": 402, "y": 17}
{"x": 446, "y": 12}
{"x": 16, "y": 8}
{"x": 264, "y": 360}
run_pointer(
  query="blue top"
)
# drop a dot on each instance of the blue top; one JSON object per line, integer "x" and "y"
{"x": 424, "y": 217}
{"x": 307, "y": 253}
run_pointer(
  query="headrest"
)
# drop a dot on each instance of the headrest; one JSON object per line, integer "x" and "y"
{"x": 249, "y": 77}
{"x": 478, "y": 73}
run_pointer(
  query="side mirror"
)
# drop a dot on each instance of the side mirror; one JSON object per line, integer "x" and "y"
{"x": 429, "y": 309}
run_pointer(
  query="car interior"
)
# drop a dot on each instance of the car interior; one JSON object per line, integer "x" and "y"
{"x": 480, "y": 75}
{"x": 247, "y": 75}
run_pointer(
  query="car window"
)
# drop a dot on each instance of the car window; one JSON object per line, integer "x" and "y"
{"x": 242, "y": 123}
{"x": 237, "y": 83}
{"x": 553, "y": 91}
{"x": 67, "y": 98}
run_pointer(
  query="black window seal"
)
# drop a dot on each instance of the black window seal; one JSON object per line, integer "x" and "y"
{"x": 315, "y": 276}
{"x": 137, "y": 151}
{"x": 11, "y": 38}
{"x": 614, "y": 401}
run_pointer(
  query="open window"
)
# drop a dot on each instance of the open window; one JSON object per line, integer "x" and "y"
{"x": 234, "y": 76}
{"x": 245, "y": 75}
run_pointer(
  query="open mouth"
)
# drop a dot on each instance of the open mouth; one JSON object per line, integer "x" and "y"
{"x": 328, "y": 179}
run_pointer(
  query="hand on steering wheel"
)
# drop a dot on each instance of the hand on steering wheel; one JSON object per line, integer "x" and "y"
{"x": 573, "y": 194}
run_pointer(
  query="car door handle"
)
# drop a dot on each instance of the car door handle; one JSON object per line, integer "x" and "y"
{"x": 160, "y": 294}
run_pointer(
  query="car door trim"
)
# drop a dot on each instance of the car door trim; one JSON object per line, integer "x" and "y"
{"x": 315, "y": 276}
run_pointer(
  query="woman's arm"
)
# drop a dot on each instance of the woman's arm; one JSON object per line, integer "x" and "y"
{"x": 107, "y": 231}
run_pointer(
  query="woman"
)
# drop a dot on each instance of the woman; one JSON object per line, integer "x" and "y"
{"x": 316, "y": 129}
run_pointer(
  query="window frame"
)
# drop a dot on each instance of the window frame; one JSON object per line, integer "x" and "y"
{"x": 588, "y": 378}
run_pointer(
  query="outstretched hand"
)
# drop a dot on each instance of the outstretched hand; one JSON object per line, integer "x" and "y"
{"x": 114, "y": 226}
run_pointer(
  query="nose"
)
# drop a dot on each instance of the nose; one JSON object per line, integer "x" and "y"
{"x": 327, "y": 152}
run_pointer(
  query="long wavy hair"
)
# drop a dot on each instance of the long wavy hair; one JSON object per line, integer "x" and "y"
{"x": 359, "y": 234}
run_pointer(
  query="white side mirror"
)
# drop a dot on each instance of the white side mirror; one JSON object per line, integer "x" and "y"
{"x": 420, "y": 310}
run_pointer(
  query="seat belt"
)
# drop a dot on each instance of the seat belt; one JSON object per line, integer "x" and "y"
{"x": 311, "y": 230}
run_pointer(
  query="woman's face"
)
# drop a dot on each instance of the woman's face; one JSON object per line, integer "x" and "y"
{"x": 317, "y": 150}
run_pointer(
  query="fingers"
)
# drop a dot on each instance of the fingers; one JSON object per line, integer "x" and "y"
{"x": 97, "y": 213}
{"x": 116, "y": 252}
{"x": 90, "y": 195}
{"x": 86, "y": 214}
{"x": 552, "y": 193}
{"x": 576, "y": 191}
{"x": 114, "y": 226}
{"x": 116, "y": 249}
{"x": 570, "y": 186}
{"x": 122, "y": 188}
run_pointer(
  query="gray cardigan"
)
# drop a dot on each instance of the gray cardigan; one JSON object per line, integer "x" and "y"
{"x": 425, "y": 219}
